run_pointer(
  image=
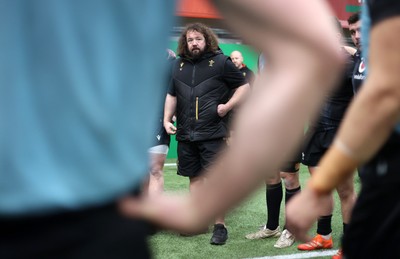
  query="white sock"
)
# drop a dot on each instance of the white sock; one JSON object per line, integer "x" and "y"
{"x": 326, "y": 237}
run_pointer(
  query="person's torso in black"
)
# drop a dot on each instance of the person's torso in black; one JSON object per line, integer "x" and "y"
{"x": 248, "y": 74}
{"x": 200, "y": 86}
{"x": 336, "y": 104}
{"x": 359, "y": 71}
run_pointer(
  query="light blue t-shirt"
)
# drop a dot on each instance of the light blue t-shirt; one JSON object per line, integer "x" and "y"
{"x": 365, "y": 31}
{"x": 81, "y": 82}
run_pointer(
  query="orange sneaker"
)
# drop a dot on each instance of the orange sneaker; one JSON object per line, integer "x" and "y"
{"x": 338, "y": 255}
{"x": 318, "y": 242}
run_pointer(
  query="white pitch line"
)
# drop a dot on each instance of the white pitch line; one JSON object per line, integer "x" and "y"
{"x": 300, "y": 255}
{"x": 170, "y": 164}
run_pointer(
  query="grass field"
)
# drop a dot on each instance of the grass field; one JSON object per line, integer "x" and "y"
{"x": 244, "y": 219}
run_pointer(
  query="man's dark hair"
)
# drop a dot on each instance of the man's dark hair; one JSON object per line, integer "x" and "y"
{"x": 210, "y": 39}
{"x": 355, "y": 17}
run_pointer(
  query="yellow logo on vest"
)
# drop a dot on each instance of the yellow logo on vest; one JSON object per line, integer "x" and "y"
{"x": 211, "y": 63}
{"x": 181, "y": 66}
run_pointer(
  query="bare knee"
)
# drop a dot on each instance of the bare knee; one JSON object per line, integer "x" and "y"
{"x": 156, "y": 173}
{"x": 291, "y": 180}
{"x": 273, "y": 179}
{"x": 346, "y": 191}
{"x": 157, "y": 165}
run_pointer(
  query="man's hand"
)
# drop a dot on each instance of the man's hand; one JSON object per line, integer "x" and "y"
{"x": 170, "y": 128}
{"x": 222, "y": 110}
{"x": 303, "y": 211}
{"x": 174, "y": 212}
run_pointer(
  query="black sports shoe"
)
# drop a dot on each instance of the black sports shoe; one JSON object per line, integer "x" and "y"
{"x": 220, "y": 235}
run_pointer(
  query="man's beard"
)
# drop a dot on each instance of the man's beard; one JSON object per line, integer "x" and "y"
{"x": 197, "y": 54}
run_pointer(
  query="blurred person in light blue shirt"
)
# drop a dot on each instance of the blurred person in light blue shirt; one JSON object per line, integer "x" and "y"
{"x": 78, "y": 102}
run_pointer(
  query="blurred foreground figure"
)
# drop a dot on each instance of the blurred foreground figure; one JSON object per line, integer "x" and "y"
{"x": 78, "y": 105}
{"x": 370, "y": 136}
{"x": 269, "y": 126}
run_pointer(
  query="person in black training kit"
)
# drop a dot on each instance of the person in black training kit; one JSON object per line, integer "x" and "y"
{"x": 203, "y": 79}
{"x": 359, "y": 63}
{"x": 237, "y": 59}
{"x": 319, "y": 138}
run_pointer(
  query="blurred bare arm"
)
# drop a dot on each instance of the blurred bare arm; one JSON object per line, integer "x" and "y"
{"x": 270, "y": 123}
{"x": 302, "y": 21}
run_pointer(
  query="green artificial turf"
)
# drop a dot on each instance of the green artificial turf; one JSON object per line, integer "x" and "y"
{"x": 244, "y": 219}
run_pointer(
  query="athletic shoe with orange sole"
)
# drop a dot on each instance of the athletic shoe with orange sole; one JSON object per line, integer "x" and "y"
{"x": 318, "y": 242}
{"x": 338, "y": 255}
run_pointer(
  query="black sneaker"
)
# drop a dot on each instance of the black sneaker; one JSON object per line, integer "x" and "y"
{"x": 220, "y": 235}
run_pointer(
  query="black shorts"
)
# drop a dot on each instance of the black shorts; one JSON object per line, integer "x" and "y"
{"x": 291, "y": 166}
{"x": 100, "y": 232}
{"x": 373, "y": 231}
{"x": 161, "y": 137}
{"x": 316, "y": 144}
{"x": 195, "y": 157}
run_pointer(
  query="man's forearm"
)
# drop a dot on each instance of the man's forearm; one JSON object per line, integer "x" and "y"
{"x": 238, "y": 96}
{"x": 169, "y": 108}
{"x": 369, "y": 122}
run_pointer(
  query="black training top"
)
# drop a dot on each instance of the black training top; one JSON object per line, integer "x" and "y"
{"x": 359, "y": 71}
{"x": 200, "y": 85}
{"x": 336, "y": 104}
{"x": 248, "y": 74}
